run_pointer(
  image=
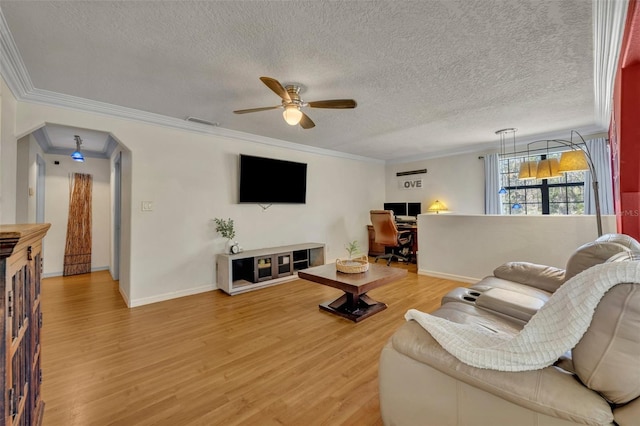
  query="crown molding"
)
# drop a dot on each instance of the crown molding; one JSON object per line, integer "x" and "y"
{"x": 112, "y": 144}
{"x": 489, "y": 147}
{"x": 46, "y": 97}
{"x": 68, "y": 151}
{"x": 608, "y": 28}
{"x": 11, "y": 65}
{"x": 19, "y": 82}
{"x": 608, "y": 22}
{"x": 42, "y": 138}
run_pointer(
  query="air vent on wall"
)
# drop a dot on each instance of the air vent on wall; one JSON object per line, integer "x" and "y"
{"x": 203, "y": 121}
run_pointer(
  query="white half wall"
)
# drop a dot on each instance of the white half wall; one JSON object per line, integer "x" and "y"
{"x": 469, "y": 247}
{"x": 57, "y": 211}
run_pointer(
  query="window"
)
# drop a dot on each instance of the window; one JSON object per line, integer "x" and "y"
{"x": 561, "y": 195}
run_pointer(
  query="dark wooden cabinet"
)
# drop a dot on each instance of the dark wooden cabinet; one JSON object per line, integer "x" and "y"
{"x": 20, "y": 372}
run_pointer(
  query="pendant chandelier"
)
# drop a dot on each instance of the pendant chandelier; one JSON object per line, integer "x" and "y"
{"x": 77, "y": 155}
{"x": 577, "y": 158}
{"x": 503, "y": 134}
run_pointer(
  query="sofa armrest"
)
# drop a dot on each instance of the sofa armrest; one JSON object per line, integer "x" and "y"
{"x": 550, "y": 391}
{"x": 511, "y": 303}
{"x": 544, "y": 277}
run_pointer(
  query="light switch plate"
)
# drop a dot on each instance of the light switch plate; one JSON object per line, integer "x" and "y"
{"x": 147, "y": 206}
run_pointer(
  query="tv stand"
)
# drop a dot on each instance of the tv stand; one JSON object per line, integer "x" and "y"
{"x": 254, "y": 269}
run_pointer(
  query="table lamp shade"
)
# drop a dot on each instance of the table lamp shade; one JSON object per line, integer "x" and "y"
{"x": 437, "y": 207}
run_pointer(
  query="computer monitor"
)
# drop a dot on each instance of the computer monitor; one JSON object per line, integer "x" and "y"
{"x": 399, "y": 209}
{"x": 414, "y": 209}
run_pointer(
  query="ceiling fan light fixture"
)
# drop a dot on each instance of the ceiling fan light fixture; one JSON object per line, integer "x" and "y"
{"x": 291, "y": 102}
{"x": 292, "y": 115}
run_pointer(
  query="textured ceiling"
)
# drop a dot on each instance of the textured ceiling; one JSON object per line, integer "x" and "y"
{"x": 429, "y": 76}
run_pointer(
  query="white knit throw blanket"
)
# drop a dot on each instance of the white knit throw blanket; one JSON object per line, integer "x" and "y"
{"x": 556, "y": 328}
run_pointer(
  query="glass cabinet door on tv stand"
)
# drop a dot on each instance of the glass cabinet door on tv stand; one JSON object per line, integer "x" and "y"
{"x": 273, "y": 266}
{"x": 263, "y": 268}
{"x": 283, "y": 263}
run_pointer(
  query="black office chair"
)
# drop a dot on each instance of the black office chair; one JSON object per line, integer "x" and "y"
{"x": 387, "y": 234}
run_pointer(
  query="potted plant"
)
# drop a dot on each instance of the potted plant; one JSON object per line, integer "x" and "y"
{"x": 352, "y": 248}
{"x": 227, "y": 230}
{"x": 353, "y": 265}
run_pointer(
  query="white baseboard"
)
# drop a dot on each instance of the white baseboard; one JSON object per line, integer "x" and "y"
{"x": 59, "y": 273}
{"x": 171, "y": 295}
{"x": 124, "y": 296}
{"x": 452, "y": 277}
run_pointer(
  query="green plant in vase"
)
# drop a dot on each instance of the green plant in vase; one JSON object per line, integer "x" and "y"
{"x": 227, "y": 230}
{"x": 353, "y": 264}
{"x": 352, "y": 248}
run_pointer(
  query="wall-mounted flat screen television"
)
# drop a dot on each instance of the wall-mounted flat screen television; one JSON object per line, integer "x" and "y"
{"x": 269, "y": 181}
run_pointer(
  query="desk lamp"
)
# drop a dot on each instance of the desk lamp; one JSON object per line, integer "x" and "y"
{"x": 437, "y": 207}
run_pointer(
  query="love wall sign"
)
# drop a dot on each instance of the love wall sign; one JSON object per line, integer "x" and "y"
{"x": 410, "y": 180}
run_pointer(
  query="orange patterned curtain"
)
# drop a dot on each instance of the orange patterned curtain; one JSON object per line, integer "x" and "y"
{"x": 77, "y": 252}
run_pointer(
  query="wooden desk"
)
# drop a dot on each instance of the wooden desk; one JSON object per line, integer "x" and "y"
{"x": 354, "y": 304}
{"x": 378, "y": 249}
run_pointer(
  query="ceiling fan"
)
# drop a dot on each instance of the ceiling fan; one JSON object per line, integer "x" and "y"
{"x": 291, "y": 103}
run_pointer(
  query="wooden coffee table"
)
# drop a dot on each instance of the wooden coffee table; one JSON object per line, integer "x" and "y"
{"x": 354, "y": 304}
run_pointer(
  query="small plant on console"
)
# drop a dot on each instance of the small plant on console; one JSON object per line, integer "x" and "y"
{"x": 225, "y": 228}
{"x": 352, "y": 248}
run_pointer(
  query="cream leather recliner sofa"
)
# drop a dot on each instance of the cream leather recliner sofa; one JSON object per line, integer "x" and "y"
{"x": 597, "y": 383}
{"x": 518, "y": 289}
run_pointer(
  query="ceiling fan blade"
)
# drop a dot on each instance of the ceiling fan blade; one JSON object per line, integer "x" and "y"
{"x": 244, "y": 111}
{"x": 306, "y": 122}
{"x": 275, "y": 85}
{"x": 334, "y": 103}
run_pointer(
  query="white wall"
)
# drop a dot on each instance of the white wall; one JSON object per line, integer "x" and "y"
{"x": 469, "y": 247}
{"x": 8, "y": 154}
{"x": 112, "y": 209}
{"x": 457, "y": 181}
{"x": 34, "y": 152}
{"x": 23, "y": 181}
{"x": 26, "y": 179}
{"x": 125, "y": 230}
{"x": 57, "y": 182}
{"x": 191, "y": 178}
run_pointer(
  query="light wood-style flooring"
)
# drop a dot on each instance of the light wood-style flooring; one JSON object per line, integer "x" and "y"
{"x": 268, "y": 357}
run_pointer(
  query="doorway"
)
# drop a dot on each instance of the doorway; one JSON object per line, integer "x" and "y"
{"x": 40, "y": 179}
{"x": 117, "y": 215}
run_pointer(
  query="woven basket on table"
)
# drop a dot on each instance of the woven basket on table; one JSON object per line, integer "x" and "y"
{"x": 353, "y": 266}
